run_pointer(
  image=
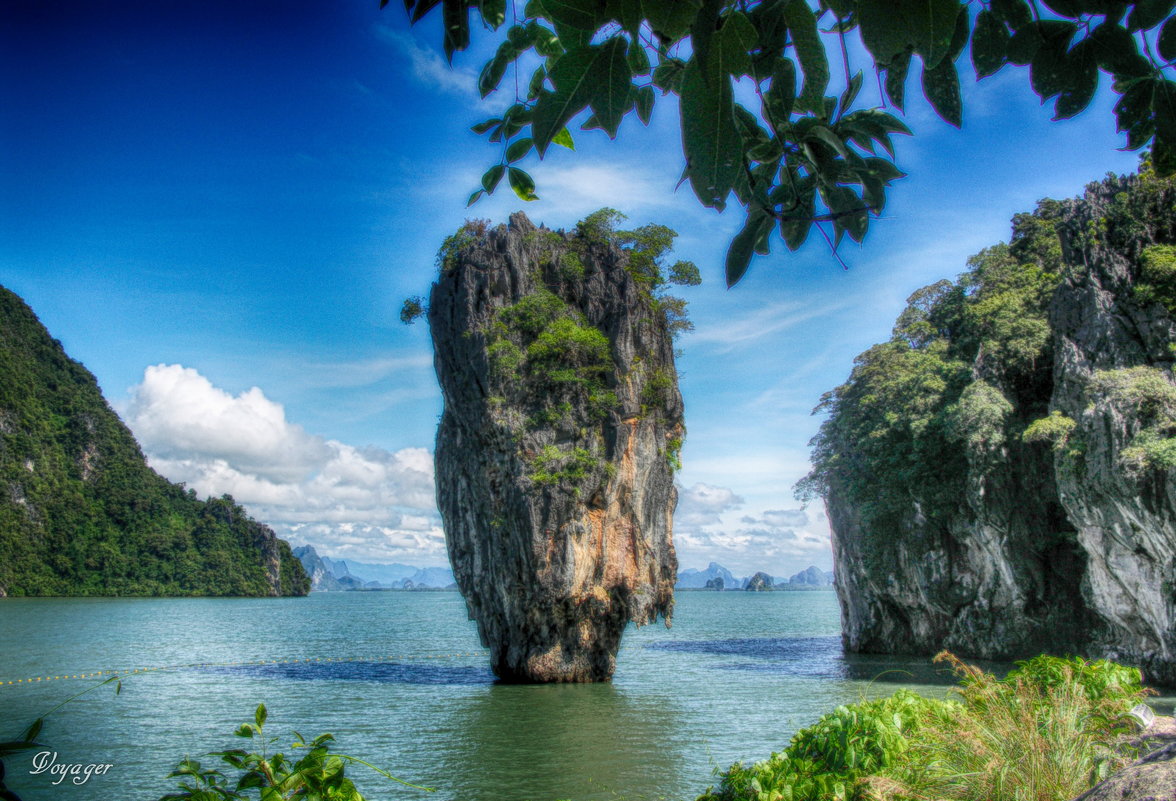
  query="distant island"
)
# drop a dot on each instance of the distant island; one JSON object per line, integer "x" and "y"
{"x": 343, "y": 575}
{"x": 717, "y": 577}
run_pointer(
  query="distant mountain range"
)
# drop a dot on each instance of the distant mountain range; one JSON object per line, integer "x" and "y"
{"x": 717, "y": 577}
{"x": 332, "y": 575}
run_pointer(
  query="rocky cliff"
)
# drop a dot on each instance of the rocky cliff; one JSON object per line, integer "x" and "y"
{"x": 81, "y": 513}
{"x": 560, "y": 435}
{"x": 999, "y": 476}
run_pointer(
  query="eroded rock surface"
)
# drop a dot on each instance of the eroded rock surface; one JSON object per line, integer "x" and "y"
{"x": 557, "y": 446}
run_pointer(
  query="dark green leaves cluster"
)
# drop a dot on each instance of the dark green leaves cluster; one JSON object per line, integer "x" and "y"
{"x": 794, "y": 151}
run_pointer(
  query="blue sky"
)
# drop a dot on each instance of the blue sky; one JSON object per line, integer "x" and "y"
{"x": 219, "y": 207}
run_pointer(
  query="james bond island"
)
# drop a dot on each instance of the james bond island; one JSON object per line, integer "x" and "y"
{"x": 561, "y": 432}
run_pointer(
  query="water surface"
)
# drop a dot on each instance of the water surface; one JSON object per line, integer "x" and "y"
{"x": 400, "y": 679}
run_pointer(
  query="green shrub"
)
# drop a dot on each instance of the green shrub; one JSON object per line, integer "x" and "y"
{"x": 554, "y": 465}
{"x": 978, "y": 418}
{"x": 459, "y": 240}
{"x": 318, "y": 775}
{"x": 1054, "y": 429}
{"x": 1048, "y": 731}
{"x": 1157, "y": 277}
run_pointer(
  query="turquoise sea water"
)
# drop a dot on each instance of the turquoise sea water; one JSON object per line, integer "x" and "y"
{"x": 733, "y": 679}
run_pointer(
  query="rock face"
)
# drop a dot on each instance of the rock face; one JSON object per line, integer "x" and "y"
{"x": 1152, "y": 778}
{"x": 81, "y": 512}
{"x": 1046, "y": 521}
{"x": 760, "y": 582}
{"x": 556, "y": 449}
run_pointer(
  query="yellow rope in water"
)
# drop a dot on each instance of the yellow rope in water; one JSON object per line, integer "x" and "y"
{"x": 126, "y": 672}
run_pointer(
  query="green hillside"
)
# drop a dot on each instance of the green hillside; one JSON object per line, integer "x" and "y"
{"x": 81, "y": 513}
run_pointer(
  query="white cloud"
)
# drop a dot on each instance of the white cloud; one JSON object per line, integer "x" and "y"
{"x": 760, "y": 323}
{"x": 780, "y": 541}
{"x": 362, "y": 503}
{"x": 429, "y": 67}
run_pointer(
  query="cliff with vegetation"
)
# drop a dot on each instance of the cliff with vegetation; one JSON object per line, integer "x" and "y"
{"x": 999, "y": 475}
{"x": 81, "y": 513}
{"x": 560, "y": 436}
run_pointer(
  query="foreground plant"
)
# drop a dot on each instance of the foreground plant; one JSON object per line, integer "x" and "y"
{"x": 1048, "y": 731}
{"x": 318, "y": 776}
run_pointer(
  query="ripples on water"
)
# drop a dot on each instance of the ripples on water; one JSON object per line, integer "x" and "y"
{"x": 401, "y": 681}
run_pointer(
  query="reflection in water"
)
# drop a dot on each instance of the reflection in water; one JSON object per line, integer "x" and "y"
{"x": 820, "y": 657}
{"x": 403, "y": 673}
{"x": 542, "y": 742}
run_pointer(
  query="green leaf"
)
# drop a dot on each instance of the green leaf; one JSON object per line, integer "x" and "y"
{"x": 851, "y": 92}
{"x": 519, "y": 148}
{"x": 1067, "y": 8}
{"x": 941, "y": 87}
{"x": 483, "y": 127}
{"x": 1024, "y": 44}
{"x": 668, "y": 75}
{"x": 645, "y": 99}
{"x": 1013, "y": 13}
{"x": 1164, "y": 106}
{"x": 1166, "y": 43}
{"x": 631, "y": 16}
{"x": 896, "y": 73}
{"x": 670, "y": 21}
{"x": 638, "y": 60}
{"x": 802, "y": 25}
{"x": 1081, "y": 81}
{"x": 543, "y": 39}
{"x": 522, "y": 184}
{"x": 578, "y": 14}
{"x": 455, "y": 17}
{"x": 781, "y": 94}
{"x": 740, "y": 251}
{"x": 260, "y": 715}
{"x": 535, "y": 85}
{"x": 491, "y": 177}
{"x": 564, "y": 139}
{"x": 1163, "y": 157}
{"x": 596, "y": 76}
{"x": 475, "y": 197}
{"x": 1133, "y": 114}
{"x": 33, "y": 730}
{"x": 493, "y": 12}
{"x": 495, "y": 68}
{"x": 990, "y": 44}
{"x": 1116, "y": 51}
{"x": 891, "y": 28}
{"x": 734, "y": 41}
{"x": 797, "y": 215}
{"x": 1147, "y": 14}
{"x": 710, "y": 140}
{"x": 1050, "y": 70}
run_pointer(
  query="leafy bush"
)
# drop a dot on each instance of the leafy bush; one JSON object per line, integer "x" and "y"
{"x": 318, "y": 775}
{"x": 1048, "y": 731}
{"x": 1157, "y": 277}
{"x": 1054, "y": 429}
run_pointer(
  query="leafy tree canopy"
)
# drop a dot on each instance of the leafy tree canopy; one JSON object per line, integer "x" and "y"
{"x": 795, "y": 152}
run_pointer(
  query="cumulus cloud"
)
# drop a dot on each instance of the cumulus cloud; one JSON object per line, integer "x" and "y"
{"x": 363, "y": 503}
{"x": 781, "y": 541}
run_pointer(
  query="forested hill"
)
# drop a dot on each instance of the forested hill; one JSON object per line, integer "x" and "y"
{"x": 81, "y": 513}
{"x": 1000, "y": 475}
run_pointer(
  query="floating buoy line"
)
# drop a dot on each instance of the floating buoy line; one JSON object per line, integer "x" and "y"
{"x": 195, "y": 665}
